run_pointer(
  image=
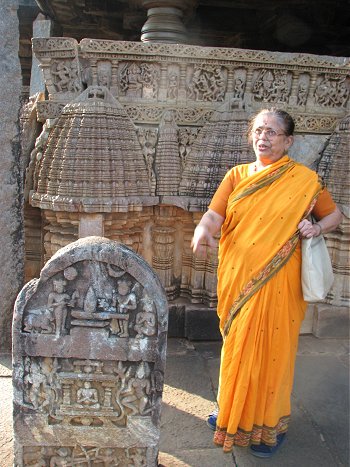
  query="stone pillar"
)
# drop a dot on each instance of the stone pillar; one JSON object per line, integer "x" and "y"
{"x": 41, "y": 28}
{"x": 11, "y": 225}
{"x": 165, "y": 21}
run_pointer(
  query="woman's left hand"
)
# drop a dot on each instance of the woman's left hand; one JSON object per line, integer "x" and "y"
{"x": 324, "y": 225}
{"x": 307, "y": 229}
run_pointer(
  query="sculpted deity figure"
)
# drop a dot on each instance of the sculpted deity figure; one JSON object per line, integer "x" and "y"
{"x": 135, "y": 396}
{"x": 63, "y": 76}
{"x": 37, "y": 382}
{"x": 87, "y": 396}
{"x": 238, "y": 88}
{"x": 57, "y": 302}
{"x": 126, "y": 301}
{"x": 146, "y": 320}
{"x": 131, "y": 80}
{"x": 173, "y": 86}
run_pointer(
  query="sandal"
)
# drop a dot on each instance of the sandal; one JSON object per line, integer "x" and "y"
{"x": 265, "y": 451}
{"x": 211, "y": 420}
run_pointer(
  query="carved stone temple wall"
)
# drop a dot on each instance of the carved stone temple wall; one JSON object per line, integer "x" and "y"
{"x": 89, "y": 350}
{"x": 136, "y": 138}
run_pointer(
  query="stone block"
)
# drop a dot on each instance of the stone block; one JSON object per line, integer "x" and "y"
{"x": 331, "y": 321}
{"x": 89, "y": 355}
{"x": 176, "y": 321}
{"x": 202, "y": 324}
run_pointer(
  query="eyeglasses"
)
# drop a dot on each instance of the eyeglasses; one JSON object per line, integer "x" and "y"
{"x": 268, "y": 132}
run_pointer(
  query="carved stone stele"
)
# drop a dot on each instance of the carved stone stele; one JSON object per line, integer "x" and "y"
{"x": 89, "y": 354}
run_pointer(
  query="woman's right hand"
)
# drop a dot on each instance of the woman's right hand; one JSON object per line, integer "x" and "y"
{"x": 201, "y": 239}
{"x": 203, "y": 236}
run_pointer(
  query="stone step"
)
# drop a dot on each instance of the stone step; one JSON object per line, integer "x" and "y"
{"x": 198, "y": 322}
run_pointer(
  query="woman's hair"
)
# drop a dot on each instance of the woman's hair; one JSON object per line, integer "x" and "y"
{"x": 284, "y": 117}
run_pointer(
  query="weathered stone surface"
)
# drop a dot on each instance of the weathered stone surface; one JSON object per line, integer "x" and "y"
{"x": 11, "y": 243}
{"x": 306, "y": 149}
{"x": 89, "y": 356}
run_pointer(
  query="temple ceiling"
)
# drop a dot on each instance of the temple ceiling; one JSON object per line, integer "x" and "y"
{"x": 309, "y": 26}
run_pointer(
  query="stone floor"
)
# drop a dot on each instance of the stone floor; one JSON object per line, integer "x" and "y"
{"x": 318, "y": 434}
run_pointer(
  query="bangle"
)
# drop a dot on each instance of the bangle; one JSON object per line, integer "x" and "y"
{"x": 319, "y": 225}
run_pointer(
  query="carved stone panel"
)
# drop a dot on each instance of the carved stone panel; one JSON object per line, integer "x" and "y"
{"x": 89, "y": 354}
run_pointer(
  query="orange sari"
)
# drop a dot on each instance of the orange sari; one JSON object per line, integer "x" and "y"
{"x": 260, "y": 302}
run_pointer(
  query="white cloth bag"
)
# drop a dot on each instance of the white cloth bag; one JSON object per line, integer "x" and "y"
{"x": 316, "y": 269}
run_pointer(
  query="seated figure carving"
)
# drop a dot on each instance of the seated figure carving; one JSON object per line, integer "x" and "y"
{"x": 87, "y": 396}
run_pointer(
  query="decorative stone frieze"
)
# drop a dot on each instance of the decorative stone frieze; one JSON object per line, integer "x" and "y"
{"x": 304, "y": 83}
{"x": 89, "y": 357}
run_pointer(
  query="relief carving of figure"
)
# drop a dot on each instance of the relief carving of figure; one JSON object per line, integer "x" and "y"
{"x": 36, "y": 382}
{"x": 126, "y": 300}
{"x": 173, "y": 86}
{"x": 302, "y": 93}
{"x": 57, "y": 302}
{"x": 148, "y": 139}
{"x": 150, "y": 76}
{"x": 146, "y": 320}
{"x": 208, "y": 84}
{"x": 332, "y": 91}
{"x": 74, "y": 81}
{"x": 263, "y": 85}
{"x": 62, "y": 458}
{"x": 131, "y": 80}
{"x": 187, "y": 136}
{"x": 272, "y": 86}
{"x": 87, "y": 396}
{"x": 62, "y": 74}
{"x": 66, "y": 76}
{"x": 238, "y": 89}
{"x": 138, "y": 388}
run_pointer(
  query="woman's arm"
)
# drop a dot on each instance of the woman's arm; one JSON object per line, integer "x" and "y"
{"x": 203, "y": 236}
{"x": 324, "y": 225}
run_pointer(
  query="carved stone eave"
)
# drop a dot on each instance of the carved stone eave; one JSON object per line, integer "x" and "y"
{"x": 182, "y": 51}
{"x": 307, "y": 80}
{"x": 54, "y": 47}
{"x": 187, "y": 203}
{"x": 91, "y": 205}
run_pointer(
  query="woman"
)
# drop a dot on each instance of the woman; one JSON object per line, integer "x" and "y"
{"x": 261, "y": 209}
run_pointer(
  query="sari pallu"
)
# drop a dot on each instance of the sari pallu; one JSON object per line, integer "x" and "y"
{"x": 260, "y": 302}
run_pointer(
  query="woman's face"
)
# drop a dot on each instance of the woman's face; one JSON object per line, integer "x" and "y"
{"x": 272, "y": 143}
